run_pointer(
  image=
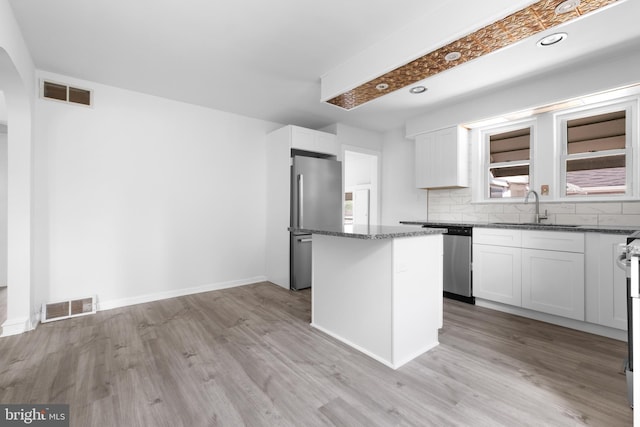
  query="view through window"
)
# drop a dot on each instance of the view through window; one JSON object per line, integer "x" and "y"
{"x": 595, "y": 162}
{"x": 509, "y": 161}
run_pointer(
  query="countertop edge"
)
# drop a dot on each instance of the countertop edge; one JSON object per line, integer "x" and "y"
{"x": 372, "y": 235}
{"x": 549, "y": 227}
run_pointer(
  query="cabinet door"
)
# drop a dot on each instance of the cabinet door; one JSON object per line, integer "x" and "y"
{"x": 327, "y": 143}
{"x": 442, "y": 158}
{"x": 425, "y": 160}
{"x": 303, "y": 139}
{"x": 497, "y": 236}
{"x": 497, "y": 273}
{"x": 606, "y": 287}
{"x": 553, "y": 282}
{"x": 314, "y": 141}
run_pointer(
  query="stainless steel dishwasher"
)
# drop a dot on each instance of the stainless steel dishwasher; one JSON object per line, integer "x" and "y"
{"x": 457, "y": 279}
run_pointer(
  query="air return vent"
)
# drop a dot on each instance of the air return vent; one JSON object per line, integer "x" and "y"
{"x": 66, "y": 309}
{"x": 62, "y": 92}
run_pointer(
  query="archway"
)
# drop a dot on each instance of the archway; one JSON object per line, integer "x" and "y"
{"x": 17, "y": 98}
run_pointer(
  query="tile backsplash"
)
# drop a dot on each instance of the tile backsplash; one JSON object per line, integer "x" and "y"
{"x": 455, "y": 205}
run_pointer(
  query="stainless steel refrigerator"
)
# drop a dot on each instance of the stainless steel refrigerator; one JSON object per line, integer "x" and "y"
{"x": 316, "y": 203}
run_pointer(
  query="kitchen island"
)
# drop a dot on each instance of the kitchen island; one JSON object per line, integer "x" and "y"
{"x": 378, "y": 289}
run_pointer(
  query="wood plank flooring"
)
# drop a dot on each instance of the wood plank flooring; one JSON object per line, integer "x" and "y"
{"x": 247, "y": 356}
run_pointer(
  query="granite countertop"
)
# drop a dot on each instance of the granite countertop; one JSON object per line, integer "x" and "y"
{"x": 372, "y": 232}
{"x": 613, "y": 229}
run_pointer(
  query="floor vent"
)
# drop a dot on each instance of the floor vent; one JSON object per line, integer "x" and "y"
{"x": 66, "y": 309}
{"x": 64, "y": 93}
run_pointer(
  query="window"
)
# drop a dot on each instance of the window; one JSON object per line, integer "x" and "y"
{"x": 583, "y": 149}
{"x": 596, "y": 152}
{"x": 508, "y": 151}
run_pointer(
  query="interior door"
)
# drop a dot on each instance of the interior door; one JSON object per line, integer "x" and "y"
{"x": 361, "y": 207}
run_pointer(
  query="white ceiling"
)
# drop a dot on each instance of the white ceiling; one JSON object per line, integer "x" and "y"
{"x": 264, "y": 59}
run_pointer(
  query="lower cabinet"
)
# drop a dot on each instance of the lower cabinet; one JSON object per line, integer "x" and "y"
{"x": 606, "y": 287}
{"x": 553, "y": 282}
{"x": 526, "y": 269}
{"x": 497, "y": 273}
{"x": 568, "y": 274}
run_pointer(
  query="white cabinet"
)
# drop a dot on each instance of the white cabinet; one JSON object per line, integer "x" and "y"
{"x": 537, "y": 270}
{"x": 606, "y": 289}
{"x": 553, "y": 272}
{"x": 497, "y": 237}
{"x": 313, "y": 140}
{"x": 553, "y": 282}
{"x": 496, "y": 273}
{"x": 442, "y": 158}
{"x": 279, "y": 145}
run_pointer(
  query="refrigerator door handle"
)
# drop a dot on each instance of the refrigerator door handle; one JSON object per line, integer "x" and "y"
{"x": 300, "y": 200}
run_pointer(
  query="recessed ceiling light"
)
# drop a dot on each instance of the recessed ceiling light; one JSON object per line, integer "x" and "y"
{"x": 382, "y": 86}
{"x": 452, "y": 56}
{"x": 567, "y": 6}
{"x": 552, "y": 39}
{"x": 418, "y": 89}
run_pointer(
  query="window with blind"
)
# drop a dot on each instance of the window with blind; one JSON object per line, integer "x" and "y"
{"x": 596, "y": 152}
{"x": 509, "y": 153}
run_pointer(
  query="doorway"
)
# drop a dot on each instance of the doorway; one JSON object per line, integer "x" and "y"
{"x": 361, "y": 176}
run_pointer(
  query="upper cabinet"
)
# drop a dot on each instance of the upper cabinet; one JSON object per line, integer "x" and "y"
{"x": 314, "y": 141}
{"x": 442, "y": 158}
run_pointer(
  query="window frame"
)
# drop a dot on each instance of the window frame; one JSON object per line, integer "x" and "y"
{"x": 485, "y": 135}
{"x": 632, "y": 179}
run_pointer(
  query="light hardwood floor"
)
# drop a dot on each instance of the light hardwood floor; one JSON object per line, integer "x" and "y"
{"x": 247, "y": 356}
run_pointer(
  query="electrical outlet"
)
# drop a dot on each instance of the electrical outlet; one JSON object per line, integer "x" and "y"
{"x": 544, "y": 190}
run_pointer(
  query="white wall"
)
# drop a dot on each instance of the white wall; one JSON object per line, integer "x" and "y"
{"x": 356, "y": 137}
{"x": 401, "y": 200}
{"x": 141, "y": 197}
{"x": 3, "y": 205}
{"x": 3, "y": 109}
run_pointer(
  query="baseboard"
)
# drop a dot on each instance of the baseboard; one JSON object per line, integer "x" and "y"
{"x": 592, "y": 328}
{"x": 15, "y": 326}
{"x": 141, "y": 299}
{"x": 355, "y": 346}
{"x": 418, "y": 353}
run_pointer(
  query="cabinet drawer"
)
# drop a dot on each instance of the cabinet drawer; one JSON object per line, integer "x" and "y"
{"x": 497, "y": 236}
{"x": 553, "y": 240}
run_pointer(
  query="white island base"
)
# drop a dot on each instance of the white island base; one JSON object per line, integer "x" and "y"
{"x": 381, "y": 296}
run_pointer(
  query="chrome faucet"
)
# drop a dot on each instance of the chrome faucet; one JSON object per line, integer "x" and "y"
{"x": 538, "y": 216}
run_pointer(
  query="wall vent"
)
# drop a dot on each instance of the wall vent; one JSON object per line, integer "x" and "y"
{"x": 64, "y": 93}
{"x": 66, "y": 309}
